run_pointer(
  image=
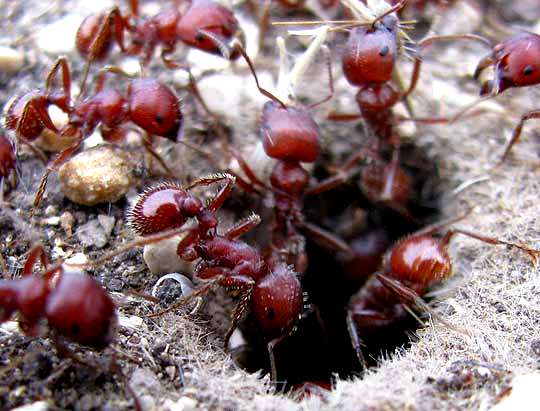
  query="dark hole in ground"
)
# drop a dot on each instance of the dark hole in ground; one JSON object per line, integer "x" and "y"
{"x": 320, "y": 348}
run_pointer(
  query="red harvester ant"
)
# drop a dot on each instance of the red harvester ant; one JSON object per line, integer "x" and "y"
{"x": 412, "y": 265}
{"x": 75, "y": 307}
{"x": 290, "y": 135}
{"x": 149, "y": 104}
{"x": 516, "y": 64}
{"x": 205, "y": 25}
{"x": 272, "y": 292}
{"x": 7, "y": 161}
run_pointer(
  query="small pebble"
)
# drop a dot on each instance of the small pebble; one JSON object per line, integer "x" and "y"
{"x": 161, "y": 258}
{"x": 66, "y": 222}
{"x": 11, "y": 60}
{"x": 99, "y": 175}
{"x": 92, "y": 234}
{"x": 58, "y": 37}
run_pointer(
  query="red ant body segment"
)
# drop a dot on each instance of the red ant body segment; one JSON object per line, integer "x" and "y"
{"x": 149, "y": 104}
{"x": 413, "y": 265}
{"x": 516, "y": 64}
{"x": 271, "y": 291}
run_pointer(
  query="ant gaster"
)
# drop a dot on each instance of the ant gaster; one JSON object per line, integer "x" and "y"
{"x": 149, "y": 104}
{"x": 412, "y": 265}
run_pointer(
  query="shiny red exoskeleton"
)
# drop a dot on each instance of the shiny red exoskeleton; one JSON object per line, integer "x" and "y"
{"x": 272, "y": 292}
{"x": 147, "y": 103}
{"x": 205, "y": 25}
{"x": 516, "y": 62}
{"x": 7, "y": 158}
{"x": 74, "y": 306}
{"x": 413, "y": 265}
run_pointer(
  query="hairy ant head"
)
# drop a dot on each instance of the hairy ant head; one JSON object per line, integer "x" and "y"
{"x": 163, "y": 207}
{"x": 80, "y": 310}
{"x": 155, "y": 108}
{"x": 289, "y": 133}
{"x": 277, "y": 300}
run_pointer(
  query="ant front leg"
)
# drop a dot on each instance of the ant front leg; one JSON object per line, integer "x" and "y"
{"x": 64, "y": 101}
{"x": 517, "y": 133}
{"x": 222, "y": 194}
{"x": 242, "y": 227}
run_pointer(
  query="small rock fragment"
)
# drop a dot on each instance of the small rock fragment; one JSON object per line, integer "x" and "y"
{"x": 161, "y": 258}
{"x": 92, "y": 234}
{"x": 11, "y": 60}
{"x": 66, "y": 222}
{"x": 58, "y": 37}
{"x": 99, "y": 175}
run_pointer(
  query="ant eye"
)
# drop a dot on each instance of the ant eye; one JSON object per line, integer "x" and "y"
{"x": 528, "y": 70}
{"x": 271, "y": 314}
{"x": 384, "y": 51}
{"x": 75, "y": 329}
{"x": 159, "y": 119}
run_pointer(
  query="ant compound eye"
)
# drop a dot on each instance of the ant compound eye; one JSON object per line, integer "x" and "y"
{"x": 528, "y": 70}
{"x": 384, "y": 51}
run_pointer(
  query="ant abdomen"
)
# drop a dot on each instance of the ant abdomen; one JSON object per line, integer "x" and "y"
{"x": 419, "y": 261}
{"x": 80, "y": 310}
{"x": 277, "y": 299}
{"x": 289, "y": 133}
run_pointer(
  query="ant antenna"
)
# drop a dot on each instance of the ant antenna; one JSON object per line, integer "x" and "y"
{"x": 238, "y": 47}
{"x": 394, "y": 9}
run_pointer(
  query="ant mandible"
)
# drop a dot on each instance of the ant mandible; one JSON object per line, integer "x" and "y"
{"x": 516, "y": 64}
{"x": 412, "y": 265}
{"x": 272, "y": 292}
{"x": 149, "y": 104}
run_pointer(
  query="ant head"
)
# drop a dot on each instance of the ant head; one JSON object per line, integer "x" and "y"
{"x": 289, "y": 177}
{"x": 374, "y": 98}
{"x": 517, "y": 62}
{"x": 207, "y": 24}
{"x": 165, "y": 23}
{"x": 163, "y": 207}
{"x": 80, "y": 310}
{"x": 7, "y": 156}
{"x": 419, "y": 261}
{"x": 277, "y": 300}
{"x": 289, "y": 133}
{"x": 31, "y": 125}
{"x": 87, "y": 33}
{"x": 370, "y": 55}
{"x": 154, "y": 108}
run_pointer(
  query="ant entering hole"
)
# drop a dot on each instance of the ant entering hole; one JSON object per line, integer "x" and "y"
{"x": 320, "y": 347}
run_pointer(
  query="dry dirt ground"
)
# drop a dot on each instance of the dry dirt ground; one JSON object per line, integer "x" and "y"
{"x": 177, "y": 362}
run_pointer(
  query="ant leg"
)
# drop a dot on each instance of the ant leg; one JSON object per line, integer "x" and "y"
{"x": 37, "y": 252}
{"x": 242, "y": 227}
{"x": 147, "y": 143}
{"x": 238, "y": 313}
{"x": 271, "y": 345}
{"x": 60, "y": 158}
{"x": 328, "y": 239}
{"x": 517, "y": 133}
{"x": 61, "y": 64}
{"x": 533, "y": 253}
{"x": 410, "y": 297}
{"x": 484, "y": 63}
{"x": 355, "y": 340}
{"x": 205, "y": 289}
{"x": 222, "y": 194}
{"x": 430, "y": 40}
{"x": 113, "y": 17}
{"x": 244, "y": 166}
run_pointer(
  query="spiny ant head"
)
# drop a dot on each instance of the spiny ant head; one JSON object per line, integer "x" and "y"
{"x": 32, "y": 125}
{"x": 277, "y": 300}
{"x": 163, "y": 207}
{"x": 289, "y": 133}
